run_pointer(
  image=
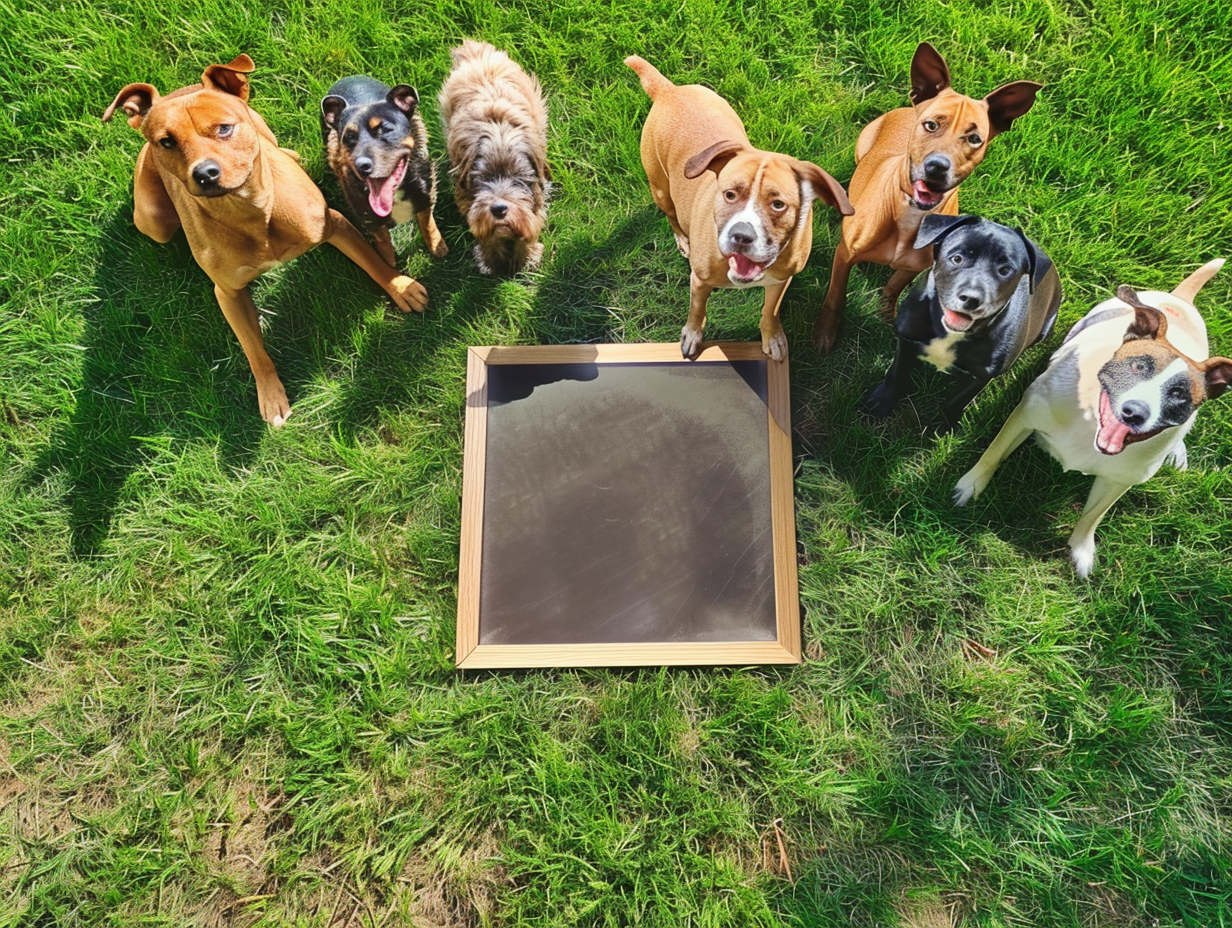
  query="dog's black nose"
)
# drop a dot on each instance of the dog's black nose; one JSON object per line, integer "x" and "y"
{"x": 499, "y": 210}
{"x": 969, "y": 301}
{"x": 742, "y": 234}
{"x": 364, "y": 165}
{"x": 1134, "y": 413}
{"x": 207, "y": 173}
{"x": 936, "y": 166}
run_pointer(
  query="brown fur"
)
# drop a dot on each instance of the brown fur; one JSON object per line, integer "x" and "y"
{"x": 496, "y": 124}
{"x": 890, "y": 152}
{"x": 263, "y": 211}
{"x": 703, "y": 171}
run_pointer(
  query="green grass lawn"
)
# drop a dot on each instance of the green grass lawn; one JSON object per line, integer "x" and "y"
{"x": 226, "y": 652}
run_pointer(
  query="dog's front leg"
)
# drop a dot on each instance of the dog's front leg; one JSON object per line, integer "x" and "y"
{"x": 407, "y": 293}
{"x": 1015, "y": 431}
{"x": 884, "y": 397}
{"x": 1104, "y": 493}
{"x": 241, "y": 313}
{"x": 826, "y": 329}
{"x": 691, "y": 334}
{"x": 773, "y": 340}
{"x": 968, "y": 389}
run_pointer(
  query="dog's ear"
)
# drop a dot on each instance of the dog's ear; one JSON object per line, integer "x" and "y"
{"x": 230, "y": 78}
{"x": 1007, "y": 103}
{"x": 404, "y": 97}
{"x": 1218, "y": 373}
{"x": 929, "y": 74}
{"x": 714, "y": 158}
{"x": 135, "y": 100}
{"x": 935, "y": 227}
{"x": 1037, "y": 262}
{"x": 331, "y": 109}
{"x": 824, "y": 186}
{"x": 1148, "y": 322}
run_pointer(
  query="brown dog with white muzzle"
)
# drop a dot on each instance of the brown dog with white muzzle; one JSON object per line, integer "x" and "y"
{"x": 742, "y": 216}
{"x": 212, "y": 167}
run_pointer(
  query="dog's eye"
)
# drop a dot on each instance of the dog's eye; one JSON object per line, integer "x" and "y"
{"x": 956, "y": 259}
{"x": 975, "y": 140}
{"x": 729, "y": 196}
{"x": 167, "y": 142}
{"x": 1004, "y": 270}
{"x": 224, "y": 131}
{"x": 930, "y": 125}
{"x": 1178, "y": 393}
{"x": 1140, "y": 366}
{"x": 349, "y": 138}
{"x": 778, "y": 205}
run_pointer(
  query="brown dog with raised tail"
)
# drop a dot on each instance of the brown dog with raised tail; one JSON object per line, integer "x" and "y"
{"x": 212, "y": 167}
{"x": 742, "y": 216}
{"x": 909, "y": 163}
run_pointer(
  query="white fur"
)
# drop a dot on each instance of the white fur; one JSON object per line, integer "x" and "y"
{"x": 1062, "y": 409}
{"x": 940, "y": 351}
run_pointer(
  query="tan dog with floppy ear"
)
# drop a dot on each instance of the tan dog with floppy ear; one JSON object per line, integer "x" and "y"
{"x": 212, "y": 167}
{"x": 743, "y": 217}
{"x": 909, "y": 162}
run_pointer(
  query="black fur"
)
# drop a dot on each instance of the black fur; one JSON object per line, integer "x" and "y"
{"x": 361, "y": 118}
{"x": 1008, "y": 289}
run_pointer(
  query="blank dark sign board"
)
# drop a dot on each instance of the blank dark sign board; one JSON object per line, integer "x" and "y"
{"x": 623, "y": 506}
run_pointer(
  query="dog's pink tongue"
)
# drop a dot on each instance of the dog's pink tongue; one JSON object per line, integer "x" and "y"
{"x": 381, "y": 192}
{"x": 742, "y": 265}
{"x": 1112, "y": 431}
{"x": 925, "y": 194}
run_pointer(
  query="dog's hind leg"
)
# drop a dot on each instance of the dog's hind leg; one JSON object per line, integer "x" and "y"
{"x": 1104, "y": 493}
{"x": 887, "y": 305}
{"x": 406, "y": 292}
{"x": 1016, "y": 430}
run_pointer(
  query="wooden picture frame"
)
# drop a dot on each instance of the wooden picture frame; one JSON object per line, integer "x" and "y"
{"x": 501, "y": 416}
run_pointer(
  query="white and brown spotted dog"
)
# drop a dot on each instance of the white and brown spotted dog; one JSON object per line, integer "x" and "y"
{"x": 743, "y": 217}
{"x": 1117, "y": 399}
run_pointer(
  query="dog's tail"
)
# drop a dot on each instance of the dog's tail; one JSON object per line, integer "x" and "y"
{"x": 652, "y": 81}
{"x": 1188, "y": 288}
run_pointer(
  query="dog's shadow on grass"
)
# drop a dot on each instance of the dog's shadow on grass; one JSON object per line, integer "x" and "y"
{"x": 161, "y": 365}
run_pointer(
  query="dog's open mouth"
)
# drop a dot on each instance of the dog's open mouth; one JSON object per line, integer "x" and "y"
{"x": 1113, "y": 434}
{"x": 744, "y": 270}
{"x": 955, "y": 321}
{"x": 381, "y": 190}
{"x": 925, "y": 196}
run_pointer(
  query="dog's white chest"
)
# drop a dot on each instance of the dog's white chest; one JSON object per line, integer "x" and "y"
{"x": 940, "y": 351}
{"x": 402, "y": 211}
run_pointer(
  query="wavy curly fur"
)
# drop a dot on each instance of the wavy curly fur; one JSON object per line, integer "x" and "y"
{"x": 496, "y": 124}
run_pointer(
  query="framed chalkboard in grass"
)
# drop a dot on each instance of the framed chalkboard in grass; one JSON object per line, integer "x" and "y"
{"x": 621, "y": 506}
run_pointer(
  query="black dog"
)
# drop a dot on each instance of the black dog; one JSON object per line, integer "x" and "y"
{"x": 990, "y": 294}
{"x": 376, "y": 143}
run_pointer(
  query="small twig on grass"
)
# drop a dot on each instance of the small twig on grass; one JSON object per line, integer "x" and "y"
{"x": 782, "y": 865}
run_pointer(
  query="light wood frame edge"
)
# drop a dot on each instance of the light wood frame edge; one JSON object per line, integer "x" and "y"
{"x": 471, "y": 655}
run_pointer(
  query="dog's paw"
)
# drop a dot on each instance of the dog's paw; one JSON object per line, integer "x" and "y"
{"x": 880, "y": 401}
{"x": 385, "y": 249}
{"x": 969, "y": 487}
{"x": 824, "y": 337}
{"x": 1083, "y": 556}
{"x": 1178, "y": 457}
{"x": 534, "y": 255}
{"x": 775, "y": 346}
{"x": 272, "y": 398}
{"x": 438, "y": 248}
{"x": 682, "y": 242}
{"x": 690, "y": 343}
{"x": 408, "y": 294}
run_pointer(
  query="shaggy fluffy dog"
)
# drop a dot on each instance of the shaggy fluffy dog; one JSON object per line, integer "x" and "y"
{"x": 496, "y": 132}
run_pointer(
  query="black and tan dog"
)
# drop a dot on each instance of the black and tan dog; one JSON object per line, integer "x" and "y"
{"x": 990, "y": 294}
{"x": 377, "y": 146}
